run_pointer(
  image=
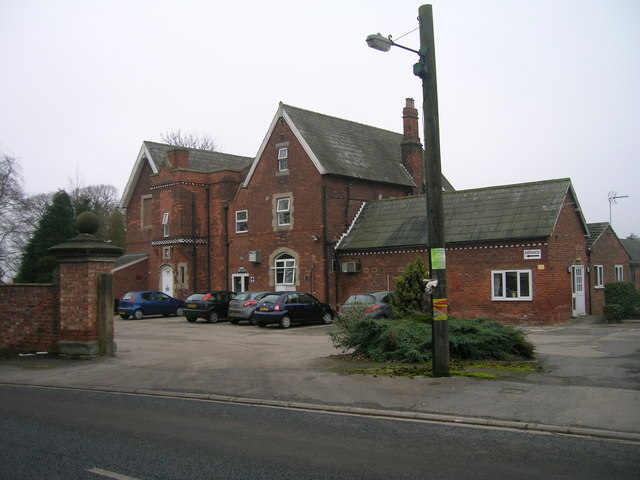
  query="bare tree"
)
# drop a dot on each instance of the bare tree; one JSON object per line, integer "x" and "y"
{"x": 101, "y": 200}
{"x": 13, "y": 230}
{"x": 189, "y": 140}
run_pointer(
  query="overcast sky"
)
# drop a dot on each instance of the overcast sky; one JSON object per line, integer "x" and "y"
{"x": 528, "y": 90}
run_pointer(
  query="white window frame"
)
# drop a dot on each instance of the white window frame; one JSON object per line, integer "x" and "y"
{"x": 499, "y": 290}
{"x": 285, "y": 270}
{"x": 599, "y": 280}
{"x": 283, "y": 162}
{"x": 283, "y": 213}
{"x": 619, "y": 273}
{"x": 242, "y": 224}
{"x": 165, "y": 224}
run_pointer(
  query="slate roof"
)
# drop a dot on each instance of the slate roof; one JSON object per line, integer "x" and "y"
{"x": 204, "y": 161}
{"x": 503, "y": 213}
{"x": 346, "y": 148}
{"x": 128, "y": 259}
{"x": 595, "y": 230}
{"x": 632, "y": 247}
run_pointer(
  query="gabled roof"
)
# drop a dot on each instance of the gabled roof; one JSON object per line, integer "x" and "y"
{"x": 342, "y": 147}
{"x": 595, "y": 230}
{"x": 203, "y": 161}
{"x": 632, "y": 246}
{"x": 504, "y": 213}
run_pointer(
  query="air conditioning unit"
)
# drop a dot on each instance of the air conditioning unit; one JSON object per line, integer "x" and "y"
{"x": 255, "y": 256}
{"x": 350, "y": 267}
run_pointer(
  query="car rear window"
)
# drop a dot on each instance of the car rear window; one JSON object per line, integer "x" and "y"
{"x": 360, "y": 299}
{"x": 270, "y": 298}
{"x": 242, "y": 296}
{"x": 128, "y": 295}
{"x": 195, "y": 297}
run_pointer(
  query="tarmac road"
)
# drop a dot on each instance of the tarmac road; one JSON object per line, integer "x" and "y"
{"x": 590, "y": 384}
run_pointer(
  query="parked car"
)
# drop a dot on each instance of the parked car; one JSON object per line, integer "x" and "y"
{"x": 244, "y": 304}
{"x": 372, "y": 304}
{"x": 211, "y": 306}
{"x": 285, "y": 308}
{"x": 141, "y": 304}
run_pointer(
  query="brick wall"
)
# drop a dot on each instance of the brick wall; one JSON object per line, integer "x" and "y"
{"x": 29, "y": 319}
{"x": 132, "y": 278}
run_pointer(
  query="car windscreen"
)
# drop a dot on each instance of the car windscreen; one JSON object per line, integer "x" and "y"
{"x": 360, "y": 299}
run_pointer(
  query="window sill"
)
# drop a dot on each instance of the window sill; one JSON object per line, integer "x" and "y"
{"x": 512, "y": 299}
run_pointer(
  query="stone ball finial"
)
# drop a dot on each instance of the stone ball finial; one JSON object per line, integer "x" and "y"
{"x": 88, "y": 222}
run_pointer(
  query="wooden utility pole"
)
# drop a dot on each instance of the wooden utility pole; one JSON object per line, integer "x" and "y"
{"x": 426, "y": 70}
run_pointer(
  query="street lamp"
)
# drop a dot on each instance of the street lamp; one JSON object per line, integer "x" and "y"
{"x": 426, "y": 70}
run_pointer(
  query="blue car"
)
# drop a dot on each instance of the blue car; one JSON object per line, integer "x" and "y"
{"x": 141, "y": 304}
{"x": 285, "y": 308}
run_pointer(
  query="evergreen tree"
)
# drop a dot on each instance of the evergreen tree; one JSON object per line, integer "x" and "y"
{"x": 56, "y": 226}
{"x": 410, "y": 290}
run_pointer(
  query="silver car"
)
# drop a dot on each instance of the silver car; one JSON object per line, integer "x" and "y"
{"x": 244, "y": 304}
{"x": 372, "y": 304}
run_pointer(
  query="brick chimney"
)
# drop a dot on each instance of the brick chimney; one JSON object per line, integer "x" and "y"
{"x": 178, "y": 157}
{"x": 412, "y": 155}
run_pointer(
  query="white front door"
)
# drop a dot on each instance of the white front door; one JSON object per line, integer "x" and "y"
{"x": 166, "y": 280}
{"x": 577, "y": 290}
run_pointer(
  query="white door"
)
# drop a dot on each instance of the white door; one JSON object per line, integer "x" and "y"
{"x": 577, "y": 290}
{"x": 240, "y": 282}
{"x": 166, "y": 280}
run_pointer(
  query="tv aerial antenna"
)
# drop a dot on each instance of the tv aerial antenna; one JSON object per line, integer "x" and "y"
{"x": 613, "y": 197}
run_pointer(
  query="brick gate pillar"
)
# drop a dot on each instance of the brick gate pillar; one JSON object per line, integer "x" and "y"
{"x": 86, "y": 291}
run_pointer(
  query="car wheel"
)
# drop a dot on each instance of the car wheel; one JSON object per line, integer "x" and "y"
{"x": 179, "y": 312}
{"x": 138, "y": 314}
{"x": 326, "y": 318}
{"x": 252, "y": 320}
{"x": 262, "y": 325}
{"x": 124, "y": 317}
{"x": 285, "y": 321}
{"x": 213, "y": 317}
{"x": 191, "y": 319}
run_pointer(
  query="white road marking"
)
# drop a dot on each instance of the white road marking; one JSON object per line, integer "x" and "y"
{"x": 108, "y": 474}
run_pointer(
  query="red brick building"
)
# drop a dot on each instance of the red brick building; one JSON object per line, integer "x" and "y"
{"x": 608, "y": 262}
{"x": 517, "y": 253}
{"x": 293, "y": 217}
{"x": 176, "y": 202}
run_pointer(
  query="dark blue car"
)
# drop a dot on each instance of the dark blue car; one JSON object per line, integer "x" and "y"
{"x": 286, "y": 308}
{"x": 141, "y": 304}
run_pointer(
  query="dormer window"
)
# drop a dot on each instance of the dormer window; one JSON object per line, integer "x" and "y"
{"x": 283, "y": 164}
